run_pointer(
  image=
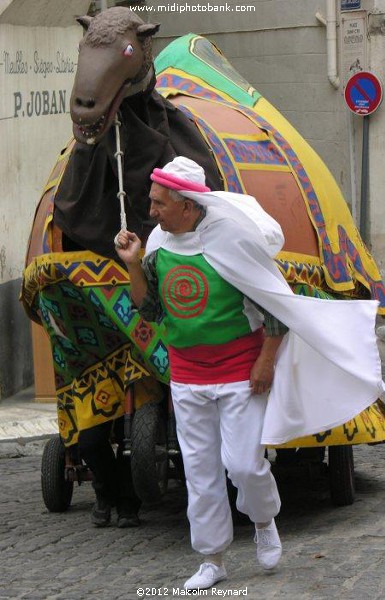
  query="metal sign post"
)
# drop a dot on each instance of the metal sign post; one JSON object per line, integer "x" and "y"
{"x": 363, "y": 95}
{"x": 364, "y": 179}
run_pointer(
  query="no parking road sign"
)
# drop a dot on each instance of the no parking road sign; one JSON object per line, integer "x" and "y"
{"x": 363, "y": 93}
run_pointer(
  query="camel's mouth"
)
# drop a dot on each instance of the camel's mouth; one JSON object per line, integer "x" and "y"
{"x": 91, "y": 132}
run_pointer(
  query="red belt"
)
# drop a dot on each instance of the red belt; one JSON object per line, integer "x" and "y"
{"x": 222, "y": 363}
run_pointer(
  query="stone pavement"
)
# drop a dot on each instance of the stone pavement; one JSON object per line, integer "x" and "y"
{"x": 329, "y": 553}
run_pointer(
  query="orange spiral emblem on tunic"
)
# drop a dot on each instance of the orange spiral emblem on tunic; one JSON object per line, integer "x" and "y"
{"x": 185, "y": 292}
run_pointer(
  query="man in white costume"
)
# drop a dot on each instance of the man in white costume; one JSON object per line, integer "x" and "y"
{"x": 209, "y": 270}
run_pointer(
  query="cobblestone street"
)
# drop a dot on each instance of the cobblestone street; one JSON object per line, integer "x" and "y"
{"x": 329, "y": 552}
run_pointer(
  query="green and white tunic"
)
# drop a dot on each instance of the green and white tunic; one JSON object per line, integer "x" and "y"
{"x": 214, "y": 332}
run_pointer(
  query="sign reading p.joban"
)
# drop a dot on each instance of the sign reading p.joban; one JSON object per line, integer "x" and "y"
{"x": 363, "y": 93}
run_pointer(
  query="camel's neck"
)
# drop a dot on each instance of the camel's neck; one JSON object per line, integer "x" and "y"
{"x": 140, "y": 86}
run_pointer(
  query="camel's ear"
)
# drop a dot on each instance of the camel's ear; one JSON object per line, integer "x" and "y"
{"x": 147, "y": 29}
{"x": 84, "y": 21}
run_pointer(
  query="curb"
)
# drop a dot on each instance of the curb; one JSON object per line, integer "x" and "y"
{"x": 27, "y": 428}
{"x": 17, "y": 448}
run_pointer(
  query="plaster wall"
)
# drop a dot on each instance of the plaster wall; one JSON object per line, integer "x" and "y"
{"x": 38, "y": 55}
{"x": 376, "y": 193}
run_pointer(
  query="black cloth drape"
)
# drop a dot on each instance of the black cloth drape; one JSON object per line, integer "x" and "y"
{"x": 153, "y": 132}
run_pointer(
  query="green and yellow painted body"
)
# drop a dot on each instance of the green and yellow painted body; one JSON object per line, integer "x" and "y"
{"x": 101, "y": 344}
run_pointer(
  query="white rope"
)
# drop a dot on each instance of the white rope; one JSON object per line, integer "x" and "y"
{"x": 121, "y": 193}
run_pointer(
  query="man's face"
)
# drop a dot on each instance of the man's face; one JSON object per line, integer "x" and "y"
{"x": 169, "y": 213}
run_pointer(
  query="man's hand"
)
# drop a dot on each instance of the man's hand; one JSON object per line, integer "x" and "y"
{"x": 261, "y": 375}
{"x": 128, "y": 247}
{"x": 262, "y": 372}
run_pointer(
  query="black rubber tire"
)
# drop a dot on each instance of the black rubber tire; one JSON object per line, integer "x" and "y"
{"x": 57, "y": 492}
{"x": 149, "y": 458}
{"x": 341, "y": 475}
{"x": 178, "y": 472}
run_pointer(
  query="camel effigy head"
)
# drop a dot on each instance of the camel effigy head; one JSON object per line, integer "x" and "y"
{"x": 115, "y": 61}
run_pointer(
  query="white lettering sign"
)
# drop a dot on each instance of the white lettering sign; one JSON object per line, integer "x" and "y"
{"x": 20, "y": 66}
{"x": 353, "y": 44}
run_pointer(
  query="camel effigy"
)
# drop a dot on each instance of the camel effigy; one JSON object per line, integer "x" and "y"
{"x": 196, "y": 105}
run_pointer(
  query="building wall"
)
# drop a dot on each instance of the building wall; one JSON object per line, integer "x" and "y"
{"x": 38, "y": 54}
{"x": 376, "y": 193}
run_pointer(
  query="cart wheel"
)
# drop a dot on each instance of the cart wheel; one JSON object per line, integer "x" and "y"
{"x": 149, "y": 457}
{"x": 341, "y": 475}
{"x": 57, "y": 492}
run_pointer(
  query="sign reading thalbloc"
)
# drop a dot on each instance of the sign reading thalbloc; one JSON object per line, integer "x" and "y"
{"x": 350, "y": 4}
{"x": 363, "y": 93}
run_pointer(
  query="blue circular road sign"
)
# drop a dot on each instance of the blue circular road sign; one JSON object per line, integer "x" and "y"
{"x": 363, "y": 93}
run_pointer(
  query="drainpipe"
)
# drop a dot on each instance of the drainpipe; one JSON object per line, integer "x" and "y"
{"x": 331, "y": 40}
{"x": 331, "y": 49}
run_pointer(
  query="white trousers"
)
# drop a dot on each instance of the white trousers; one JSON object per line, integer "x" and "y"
{"x": 219, "y": 427}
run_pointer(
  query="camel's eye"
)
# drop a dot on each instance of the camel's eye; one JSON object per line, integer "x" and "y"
{"x": 129, "y": 50}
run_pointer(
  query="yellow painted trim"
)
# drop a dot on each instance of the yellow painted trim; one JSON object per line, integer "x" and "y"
{"x": 261, "y": 167}
{"x": 299, "y": 258}
{"x": 366, "y": 428}
{"x": 51, "y": 184}
{"x": 263, "y": 137}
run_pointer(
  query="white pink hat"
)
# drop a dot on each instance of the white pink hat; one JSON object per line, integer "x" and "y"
{"x": 181, "y": 174}
{"x": 185, "y": 175}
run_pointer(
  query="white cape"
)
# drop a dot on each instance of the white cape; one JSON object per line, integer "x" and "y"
{"x": 328, "y": 367}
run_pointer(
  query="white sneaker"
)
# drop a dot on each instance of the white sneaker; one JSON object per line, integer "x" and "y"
{"x": 205, "y": 577}
{"x": 269, "y": 547}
